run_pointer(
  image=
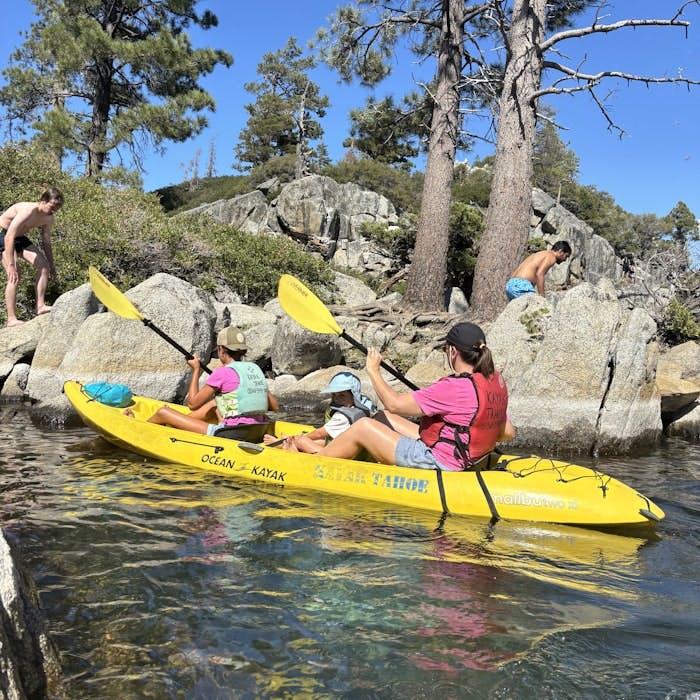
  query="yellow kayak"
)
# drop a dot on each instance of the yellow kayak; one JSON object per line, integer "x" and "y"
{"x": 531, "y": 488}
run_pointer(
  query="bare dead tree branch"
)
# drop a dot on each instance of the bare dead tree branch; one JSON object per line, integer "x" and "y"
{"x": 577, "y": 32}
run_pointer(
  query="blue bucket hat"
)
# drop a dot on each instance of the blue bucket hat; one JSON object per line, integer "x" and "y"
{"x": 347, "y": 381}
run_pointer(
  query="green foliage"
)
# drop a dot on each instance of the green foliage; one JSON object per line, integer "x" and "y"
{"x": 398, "y": 241}
{"x": 553, "y": 163}
{"x": 535, "y": 245}
{"x": 534, "y": 322}
{"x": 678, "y": 324}
{"x": 92, "y": 77}
{"x": 177, "y": 198}
{"x": 249, "y": 264}
{"x": 281, "y": 167}
{"x": 388, "y": 133}
{"x": 559, "y": 12}
{"x": 128, "y": 236}
{"x": 684, "y": 224}
{"x": 402, "y": 189}
{"x": 472, "y": 185}
{"x": 284, "y": 113}
{"x": 466, "y": 226}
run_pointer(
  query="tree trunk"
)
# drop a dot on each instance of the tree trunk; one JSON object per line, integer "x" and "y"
{"x": 97, "y": 142}
{"x": 425, "y": 290}
{"x": 507, "y": 220}
{"x": 58, "y": 105}
{"x": 300, "y": 166}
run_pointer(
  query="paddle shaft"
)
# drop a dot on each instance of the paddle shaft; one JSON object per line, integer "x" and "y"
{"x": 387, "y": 367}
{"x": 172, "y": 342}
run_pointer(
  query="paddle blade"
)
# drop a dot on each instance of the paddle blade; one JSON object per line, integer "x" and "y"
{"x": 301, "y": 304}
{"x": 111, "y": 297}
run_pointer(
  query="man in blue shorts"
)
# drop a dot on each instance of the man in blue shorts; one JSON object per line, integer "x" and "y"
{"x": 528, "y": 278}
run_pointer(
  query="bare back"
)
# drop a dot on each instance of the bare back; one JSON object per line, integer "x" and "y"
{"x": 26, "y": 216}
{"x": 535, "y": 267}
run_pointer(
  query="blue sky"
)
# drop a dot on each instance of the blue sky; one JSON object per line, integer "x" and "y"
{"x": 656, "y": 164}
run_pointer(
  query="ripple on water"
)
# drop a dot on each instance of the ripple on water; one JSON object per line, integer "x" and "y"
{"x": 159, "y": 581}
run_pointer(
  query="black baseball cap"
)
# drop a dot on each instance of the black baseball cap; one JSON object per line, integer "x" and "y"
{"x": 466, "y": 336}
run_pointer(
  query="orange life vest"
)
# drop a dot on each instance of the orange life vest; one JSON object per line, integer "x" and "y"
{"x": 482, "y": 431}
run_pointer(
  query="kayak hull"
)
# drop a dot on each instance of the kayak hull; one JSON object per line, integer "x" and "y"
{"x": 534, "y": 489}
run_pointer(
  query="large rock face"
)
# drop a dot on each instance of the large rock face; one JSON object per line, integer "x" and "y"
{"x": 106, "y": 347}
{"x": 298, "y": 351}
{"x": 68, "y": 314}
{"x": 593, "y": 257}
{"x": 678, "y": 380}
{"x": 20, "y": 342}
{"x": 580, "y": 371}
{"x": 30, "y": 666}
{"x": 316, "y": 211}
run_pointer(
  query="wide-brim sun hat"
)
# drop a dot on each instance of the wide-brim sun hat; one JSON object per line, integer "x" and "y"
{"x": 343, "y": 381}
{"x": 347, "y": 381}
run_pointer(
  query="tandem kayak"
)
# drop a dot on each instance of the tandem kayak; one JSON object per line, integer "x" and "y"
{"x": 525, "y": 488}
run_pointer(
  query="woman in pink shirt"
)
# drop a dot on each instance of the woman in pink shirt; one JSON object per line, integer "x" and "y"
{"x": 462, "y": 416}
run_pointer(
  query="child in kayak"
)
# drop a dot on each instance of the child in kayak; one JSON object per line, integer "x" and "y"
{"x": 348, "y": 405}
{"x": 237, "y": 391}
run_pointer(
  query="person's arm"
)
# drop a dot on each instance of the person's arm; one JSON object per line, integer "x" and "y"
{"x": 46, "y": 245}
{"x": 542, "y": 267}
{"x": 507, "y": 432}
{"x": 393, "y": 401}
{"x": 272, "y": 403}
{"x": 16, "y": 227}
{"x": 196, "y": 397}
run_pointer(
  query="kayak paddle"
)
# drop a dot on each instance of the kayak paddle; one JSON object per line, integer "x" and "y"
{"x": 118, "y": 304}
{"x": 301, "y": 304}
{"x": 309, "y": 311}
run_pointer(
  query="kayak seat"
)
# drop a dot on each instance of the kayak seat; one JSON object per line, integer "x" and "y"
{"x": 247, "y": 433}
{"x": 488, "y": 462}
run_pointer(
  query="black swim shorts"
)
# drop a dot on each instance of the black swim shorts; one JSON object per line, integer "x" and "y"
{"x": 21, "y": 242}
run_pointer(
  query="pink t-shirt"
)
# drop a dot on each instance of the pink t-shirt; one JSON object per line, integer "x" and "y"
{"x": 455, "y": 400}
{"x": 225, "y": 379}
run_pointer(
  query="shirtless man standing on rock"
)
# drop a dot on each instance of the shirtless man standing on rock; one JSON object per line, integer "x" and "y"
{"x": 528, "y": 278}
{"x": 15, "y": 222}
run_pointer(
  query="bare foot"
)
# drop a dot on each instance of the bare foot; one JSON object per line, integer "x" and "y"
{"x": 269, "y": 439}
{"x": 45, "y": 309}
{"x": 128, "y": 412}
{"x": 11, "y": 323}
{"x": 290, "y": 445}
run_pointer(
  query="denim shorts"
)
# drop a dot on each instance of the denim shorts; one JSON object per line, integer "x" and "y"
{"x": 415, "y": 453}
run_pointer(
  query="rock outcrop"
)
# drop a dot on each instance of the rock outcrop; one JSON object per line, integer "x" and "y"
{"x": 581, "y": 363}
{"x": 323, "y": 215}
{"x": 30, "y": 666}
{"x": 580, "y": 371}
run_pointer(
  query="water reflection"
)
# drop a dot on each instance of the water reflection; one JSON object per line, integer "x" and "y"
{"x": 160, "y": 581}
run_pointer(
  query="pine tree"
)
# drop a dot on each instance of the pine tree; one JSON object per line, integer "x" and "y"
{"x": 282, "y": 119}
{"x": 95, "y": 75}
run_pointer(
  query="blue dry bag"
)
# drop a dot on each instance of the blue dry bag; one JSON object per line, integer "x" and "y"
{"x": 118, "y": 395}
